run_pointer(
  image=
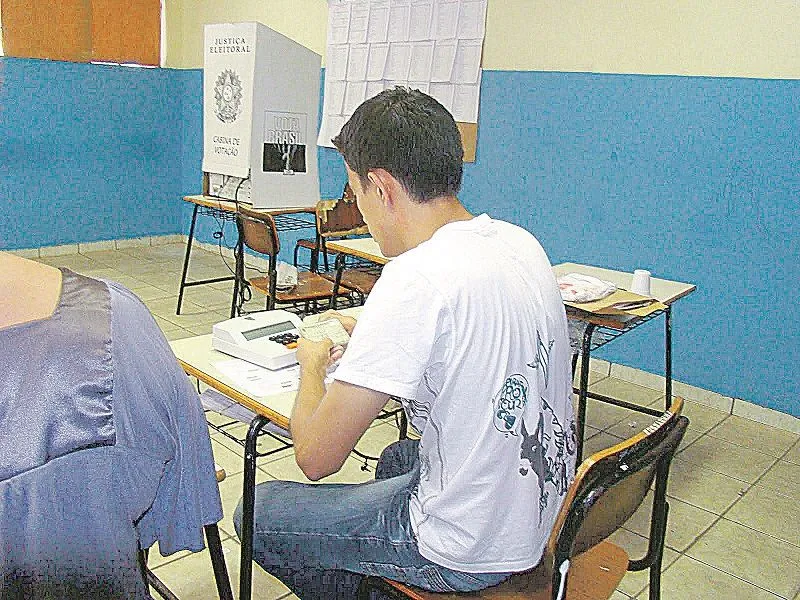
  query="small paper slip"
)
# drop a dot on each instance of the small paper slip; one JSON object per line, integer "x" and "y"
{"x": 328, "y": 329}
{"x": 633, "y": 304}
{"x": 258, "y": 381}
{"x": 220, "y": 403}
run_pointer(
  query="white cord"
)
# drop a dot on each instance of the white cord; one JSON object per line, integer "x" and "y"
{"x": 563, "y": 568}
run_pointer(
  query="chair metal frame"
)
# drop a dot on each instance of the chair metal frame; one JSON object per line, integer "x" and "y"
{"x": 258, "y": 231}
{"x": 595, "y": 507}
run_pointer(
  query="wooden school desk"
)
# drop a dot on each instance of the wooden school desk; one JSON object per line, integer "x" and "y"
{"x": 599, "y": 330}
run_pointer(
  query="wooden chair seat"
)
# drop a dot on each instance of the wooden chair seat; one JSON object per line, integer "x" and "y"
{"x": 310, "y": 286}
{"x": 355, "y": 279}
{"x": 594, "y": 574}
{"x": 306, "y": 243}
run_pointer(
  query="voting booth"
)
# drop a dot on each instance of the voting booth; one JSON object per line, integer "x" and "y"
{"x": 260, "y": 114}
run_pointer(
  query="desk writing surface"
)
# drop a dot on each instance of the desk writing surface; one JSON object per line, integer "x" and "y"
{"x": 663, "y": 290}
{"x": 366, "y": 248}
{"x": 230, "y": 205}
{"x": 198, "y": 358}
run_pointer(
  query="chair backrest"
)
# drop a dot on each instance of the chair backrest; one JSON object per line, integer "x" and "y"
{"x": 341, "y": 217}
{"x": 610, "y": 485}
{"x": 258, "y": 231}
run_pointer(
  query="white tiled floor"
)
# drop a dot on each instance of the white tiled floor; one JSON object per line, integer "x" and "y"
{"x": 734, "y": 527}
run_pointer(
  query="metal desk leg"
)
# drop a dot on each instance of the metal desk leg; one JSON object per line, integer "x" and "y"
{"x": 583, "y": 390}
{"x": 186, "y": 259}
{"x": 668, "y": 354}
{"x": 238, "y": 275}
{"x": 340, "y": 258}
{"x": 248, "y": 507}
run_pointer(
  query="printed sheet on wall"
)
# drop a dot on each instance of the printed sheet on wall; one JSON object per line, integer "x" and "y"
{"x": 431, "y": 45}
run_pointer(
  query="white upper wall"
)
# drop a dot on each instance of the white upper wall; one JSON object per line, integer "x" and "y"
{"x": 724, "y": 38}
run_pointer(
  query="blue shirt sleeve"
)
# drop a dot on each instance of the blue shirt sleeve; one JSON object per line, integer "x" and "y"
{"x": 158, "y": 415}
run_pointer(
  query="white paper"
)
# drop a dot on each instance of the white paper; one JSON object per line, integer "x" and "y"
{"x": 324, "y": 136}
{"x": 444, "y": 56}
{"x": 443, "y": 92}
{"x": 421, "y": 17}
{"x": 331, "y": 329}
{"x": 336, "y": 63}
{"x": 374, "y": 88}
{"x": 258, "y": 381}
{"x": 399, "y": 22}
{"x": 378, "y": 28}
{"x": 331, "y": 128}
{"x": 220, "y": 403}
{"x": 357, "y": 62}
{"x": 359, "y": 21}
{"x": 445, "y": 21}
{"x": 354, "y": 96}
{"x": 431, "y": 45}
{"x": 338, "y": 22}
{"x": 421, "y": 61}
{"x": 376, "y": 64}
{"x": 398, "y": 61}
{"x": 472, "y": 19}
{"x": 467, "y": 61}
{"x": 334, "y": 96}
{"x": 465, "y": 102}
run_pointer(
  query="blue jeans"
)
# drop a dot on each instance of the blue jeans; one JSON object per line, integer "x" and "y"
{"x": 320, "y": 540}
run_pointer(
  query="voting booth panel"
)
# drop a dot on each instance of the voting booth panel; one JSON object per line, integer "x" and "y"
{"x": 260, "y": 114}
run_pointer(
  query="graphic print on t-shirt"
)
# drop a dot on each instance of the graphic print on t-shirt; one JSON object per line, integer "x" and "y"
{"x": 542, "y": 360}
{"x": 545, "y": 448}
{"x": 509, "y": 404}
{"x": 418, "y": 414}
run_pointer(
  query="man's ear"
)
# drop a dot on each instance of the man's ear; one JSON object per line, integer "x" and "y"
{"x": 386, "y": 185}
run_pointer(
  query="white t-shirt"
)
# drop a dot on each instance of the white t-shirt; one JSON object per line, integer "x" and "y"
{"x": 468, "y": 329}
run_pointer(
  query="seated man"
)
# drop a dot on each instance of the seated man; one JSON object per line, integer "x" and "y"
{"x": 103, "y": 442}
{"x": 466, "y": 326}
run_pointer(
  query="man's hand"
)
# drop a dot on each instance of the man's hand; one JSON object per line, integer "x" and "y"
{"x": 314, "y": 357}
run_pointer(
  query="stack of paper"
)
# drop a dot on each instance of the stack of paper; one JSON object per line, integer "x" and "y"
{"x": 621, "y": 302}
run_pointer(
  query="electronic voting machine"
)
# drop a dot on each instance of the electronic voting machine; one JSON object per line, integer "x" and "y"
{"x": 268, "y": 339}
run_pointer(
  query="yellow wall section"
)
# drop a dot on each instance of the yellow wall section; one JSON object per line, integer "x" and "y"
{"x": 725, "y": 38}
{"x": 304, "y": 21}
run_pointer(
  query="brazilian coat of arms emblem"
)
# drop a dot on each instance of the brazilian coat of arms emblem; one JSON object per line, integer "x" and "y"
{"x": 228, "y": 96}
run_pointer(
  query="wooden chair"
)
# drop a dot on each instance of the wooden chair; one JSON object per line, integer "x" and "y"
{"x": 579, "y": 563}
{"x": 258, "y": 232}
{"x": 217, "y": 560}
{"x": 339, "y": 219}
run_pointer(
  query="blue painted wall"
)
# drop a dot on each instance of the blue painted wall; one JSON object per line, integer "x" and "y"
{"x": 89, "y": 152}
{"x": 695, "y": 178}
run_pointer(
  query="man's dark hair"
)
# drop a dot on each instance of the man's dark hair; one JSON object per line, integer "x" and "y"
{"x": 410, "y": 135}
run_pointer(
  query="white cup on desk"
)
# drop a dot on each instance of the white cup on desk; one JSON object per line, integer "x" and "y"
{"x": 640, "y": 284}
